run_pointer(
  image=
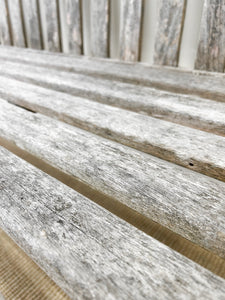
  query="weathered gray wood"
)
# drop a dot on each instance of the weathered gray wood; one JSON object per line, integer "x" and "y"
{"x": 53, "y": 42}
{"x": 88, "y": 251}
{"x": 194, "y": 149}
{"x": 5, "y": 38}
{"x": 190, "y": 111}
{"x": 188, "y": 203}
{"x": 31, "y": 22}
{"x": 130, "y": 29}
{"x": 15, "y": 16}
{"x": 169, "y": 30}
{"x": 70, "y": 23}
{"x": 99, "y": 28}
{"x": 204, "y": 84}
{"x": 211, "y": 50}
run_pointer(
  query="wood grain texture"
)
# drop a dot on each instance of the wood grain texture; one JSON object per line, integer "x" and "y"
{"x": 203, "y": 84}
{"x": 15, "y": 16}
{"x": 182, "y": 200}
{"x": 169, "y": 30}
{"x": 211, "y": 50}
{"x": 130, "y": 29}
{"x": 73, "y": 21}
{"x": 53, "y": 42}
{"x": 99, "y": 28}
{"x": 5, "y": 38}
{"x": 89, "y": 252}
{"x": 196, "y": 150}
{"x": 185, "y": 110}
{"x": 32, "y": 26}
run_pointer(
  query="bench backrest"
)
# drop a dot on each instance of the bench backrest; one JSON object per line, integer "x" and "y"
{"x": 56, "y": 25}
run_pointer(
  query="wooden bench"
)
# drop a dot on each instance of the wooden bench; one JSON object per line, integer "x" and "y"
{"x": 112, "y": 174}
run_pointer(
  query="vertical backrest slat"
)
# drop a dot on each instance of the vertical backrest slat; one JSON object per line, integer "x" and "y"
{"x": 16, "y": 22}
{"x": 169, "y": 31}
{"x": 70, "y": 22}
{"x": 211, "y": 49}
{"x": 99, "y": 28}
{"x": 5, "y": 38}
{"x": 31, "y": 22}
{"x": 52, "y": 25}
{"x": 130, "y": 29}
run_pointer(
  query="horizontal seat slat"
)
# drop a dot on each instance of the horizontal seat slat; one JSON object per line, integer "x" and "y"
{"x": 203, "y": 84}
{"x": 182, "y": 200}
{"x": 194, "y": 112}
{"x": 191, "y": 148}
{"x": 88, "y": 251}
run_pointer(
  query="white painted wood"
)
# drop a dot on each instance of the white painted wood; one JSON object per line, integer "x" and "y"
{"x": 182, "y": 200}
{"x": 86, "y": 26}
{"x": 114, "y": 28}
{"x": 190, "y": 34}
{"x": 150, "y": 13}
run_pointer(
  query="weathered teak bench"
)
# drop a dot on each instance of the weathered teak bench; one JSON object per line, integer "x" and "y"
{"x": 112, "y": 174}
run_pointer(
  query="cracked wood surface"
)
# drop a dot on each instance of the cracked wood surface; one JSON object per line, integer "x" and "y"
{"x": 52, "y": 27}
{"x": 99, "y": 28}
{"x": 130, "y": 29}
{"x": 31, "y": 22}
{"x": 15, "y": 17}
{"x": 5, "y": 38}
{"x": 211, "y": 50}
{"x": 203, "y": 84}
{"x": 194, "y": 149}
{"x": 70, "y": 11}
{"x": 169, "y": 31}
{"x": 186, "y": 110}
{"x": 88, "y": 251}
{"x": 182, "y": 200}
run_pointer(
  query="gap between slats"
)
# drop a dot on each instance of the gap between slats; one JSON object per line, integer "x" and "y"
{"x": 203, "y": 257}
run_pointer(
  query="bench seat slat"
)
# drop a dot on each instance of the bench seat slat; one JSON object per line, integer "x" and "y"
{"x": 191, "y": 148}
{"x": 88, "y": 251}
{"x": 182, "y": 200}
{"x": 207, "y": 85}
{"x": 194, "y": 112}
